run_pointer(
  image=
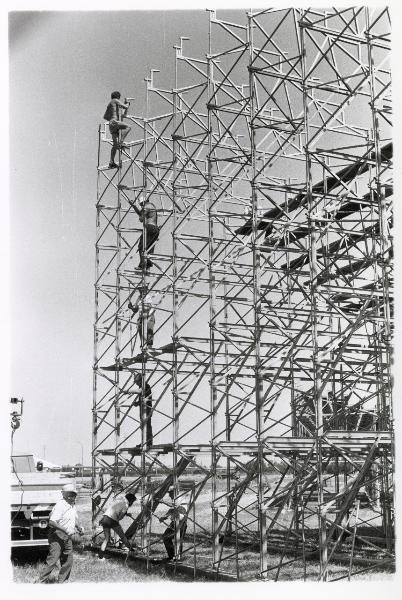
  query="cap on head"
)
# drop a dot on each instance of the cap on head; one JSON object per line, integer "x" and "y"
{"x": 115, "y": 95}
{"x": 69, "y": 489}
{"x": 131, "y": 497}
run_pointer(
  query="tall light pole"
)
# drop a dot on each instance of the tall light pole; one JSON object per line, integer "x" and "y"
{"x": 82, "y": 458}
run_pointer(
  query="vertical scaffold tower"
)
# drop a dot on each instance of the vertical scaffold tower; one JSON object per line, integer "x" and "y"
{"x": 269, "y": 162}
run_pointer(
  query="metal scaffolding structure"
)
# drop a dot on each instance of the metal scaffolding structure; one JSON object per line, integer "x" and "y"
{"x": 270, "y": 164}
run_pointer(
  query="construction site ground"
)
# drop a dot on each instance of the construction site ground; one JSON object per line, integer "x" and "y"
{"x": 121, "y": 568}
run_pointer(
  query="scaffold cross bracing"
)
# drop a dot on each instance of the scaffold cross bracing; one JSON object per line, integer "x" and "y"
{"x": 243, "y": 349}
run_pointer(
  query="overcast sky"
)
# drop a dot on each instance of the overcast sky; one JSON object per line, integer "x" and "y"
{"x": 63, "y": 66}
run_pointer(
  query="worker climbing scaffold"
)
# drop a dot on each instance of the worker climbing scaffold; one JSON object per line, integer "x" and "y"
{"x": 145, "y": 307}
{"x": 144, "y": 401}
{"x": 113, "y": 114}
{"x": 148, "y": 216}
{"x": 270, "y": 369}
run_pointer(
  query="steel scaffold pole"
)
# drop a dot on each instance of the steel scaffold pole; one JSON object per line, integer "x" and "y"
{"x": 384, "y": 334}
{"x": 212, "y": 297}
{"x": 175, "y": 394}
{"x": 259, "y": 397}
{"x": 95, "y": 349}
{"x": 313, "y": 238}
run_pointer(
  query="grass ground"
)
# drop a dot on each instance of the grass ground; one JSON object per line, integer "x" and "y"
{"x": 87, "y": 567}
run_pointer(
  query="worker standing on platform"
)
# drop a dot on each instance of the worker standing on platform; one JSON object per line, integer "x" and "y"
{"x": 148, "y": 406}
{"x": 146, "y": 316}
{"x": 177, "y": 513}
{"x": 113, "y": 114}
{"x": 110, "y": 520}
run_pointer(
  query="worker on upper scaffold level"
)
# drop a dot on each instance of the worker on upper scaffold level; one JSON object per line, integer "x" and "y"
{"x": 113, "y": 114}
{"x": 146, "y": 412}
{"x": 148, "y": 215}
{"x": 146, "y": 316}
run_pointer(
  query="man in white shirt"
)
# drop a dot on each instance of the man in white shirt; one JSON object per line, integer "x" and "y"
{"x": 110, "y": 520}
{"x": 63, "y": 522}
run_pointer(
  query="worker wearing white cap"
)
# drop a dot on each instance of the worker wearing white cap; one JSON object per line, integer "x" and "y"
{"x": 63, "y": 522}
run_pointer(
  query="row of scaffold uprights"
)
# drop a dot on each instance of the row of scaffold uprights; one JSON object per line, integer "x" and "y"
{"x": 245, "y": 360}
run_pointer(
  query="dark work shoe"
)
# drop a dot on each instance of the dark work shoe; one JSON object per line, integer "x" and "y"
{"x": 134, "y": 309}
{"x": 113, "y": 166}
{"x": 146, "y": 265}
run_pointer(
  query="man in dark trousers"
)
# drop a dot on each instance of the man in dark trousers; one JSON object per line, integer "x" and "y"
{"x": 111, "y": 520}
{"x": 113, "y": 114}
{"x": 138, "y": 380}
{"x": 177, "y": 514}
{"x": 148, "y": 215}
{"x": 63, "y": 522}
